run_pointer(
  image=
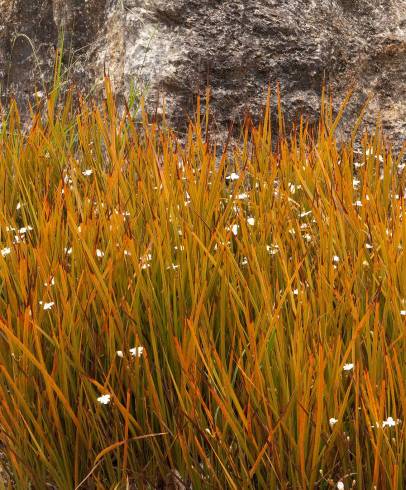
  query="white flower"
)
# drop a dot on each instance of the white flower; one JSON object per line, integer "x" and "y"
{"x": 232, "y": 176}
{"x": 87, "y": 172}
{"x": 127, "y": 253}
{"x": 242, "y": 196}
{"x": 173, "y": 266}
{"x": 369, "y": 246}
{"x": 67, "y": 250}
{"x": 304, "y": 214}
{"x": 336, "y": 259}
{"x": 18, "y": 206}
{"x": 137, "y": 351}
{"x": 99, "y": 253}
{"x": 332, "y": 421}
{"x": 403, "y": 312}
{"x": 358, "y": 204}
{"x": 47, "y": 306}
{"x": 272, "y": 249}
{"x": 389, "y": 422}
{"x": 24, "y": 229}
{"x": 234, "y": 229}
{"x": 251, "y": 221}
{"x": 340, "y": 485}
{"x": 39, "y": 94}
{"x": 5, "y": 251}
{"x": 348, "y": 367}
{"x": 104, "y": 399}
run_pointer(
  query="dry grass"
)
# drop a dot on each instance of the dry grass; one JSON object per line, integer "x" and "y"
{"x": 267, "y": 291}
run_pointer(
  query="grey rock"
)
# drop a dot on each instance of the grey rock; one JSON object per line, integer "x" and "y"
{"x": 172, "y": 49}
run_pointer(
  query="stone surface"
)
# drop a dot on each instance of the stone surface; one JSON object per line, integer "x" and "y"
{"x": 171, "y": 50}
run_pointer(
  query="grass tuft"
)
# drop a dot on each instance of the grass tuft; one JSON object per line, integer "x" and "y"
{"x": 233, "y": 322}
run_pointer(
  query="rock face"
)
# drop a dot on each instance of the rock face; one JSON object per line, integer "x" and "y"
{"x": 172, "y": 49}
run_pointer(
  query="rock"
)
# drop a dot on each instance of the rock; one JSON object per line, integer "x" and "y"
{"x": 170, "y": 50}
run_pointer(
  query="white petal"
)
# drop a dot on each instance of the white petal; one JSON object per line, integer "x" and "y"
{"x": 5, "y": 251}
{"x": 389, "y": 422}
{"x": 137, "y": 351}
{"x": 104, "y": 399}
{"x": 232, "y": 176}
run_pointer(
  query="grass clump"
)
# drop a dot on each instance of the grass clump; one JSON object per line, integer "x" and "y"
{"x": 234, "y": 323}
